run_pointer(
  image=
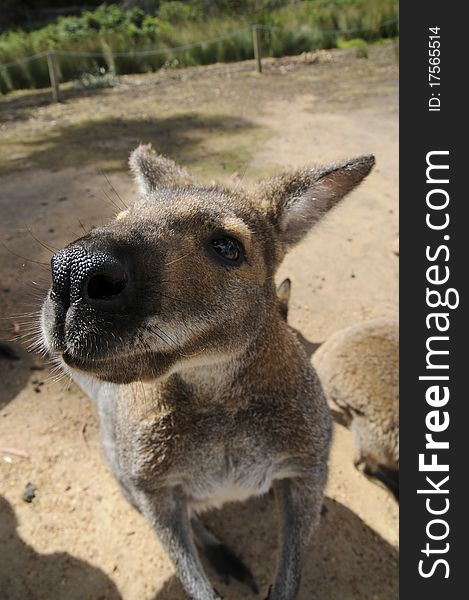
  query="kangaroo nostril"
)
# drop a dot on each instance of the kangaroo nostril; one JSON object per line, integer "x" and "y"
{"x": 104, "y": 287}
{"x": 79, "y": 275}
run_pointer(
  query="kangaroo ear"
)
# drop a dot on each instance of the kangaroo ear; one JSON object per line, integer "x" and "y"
{"x": 300, "y": 199}
{"x": 283, "y": 297}
{"x": 152, "y": 171}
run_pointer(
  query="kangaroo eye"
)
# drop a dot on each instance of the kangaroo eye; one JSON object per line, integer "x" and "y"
{"x": 228, "y": 248}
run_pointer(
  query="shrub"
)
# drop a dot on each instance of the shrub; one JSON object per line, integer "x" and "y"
{"x": 289, "y": 28}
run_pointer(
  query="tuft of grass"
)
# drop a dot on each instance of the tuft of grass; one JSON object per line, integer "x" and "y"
{"x": 97, "y": 79}
{"x": 360, "y": 45}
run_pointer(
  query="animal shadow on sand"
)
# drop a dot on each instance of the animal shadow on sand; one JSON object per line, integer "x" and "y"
{"x": 346, "y": 561}
{"x": 111, "y": 139}
{"x": 26, "y": 574}
{"x": 16, "y": 365}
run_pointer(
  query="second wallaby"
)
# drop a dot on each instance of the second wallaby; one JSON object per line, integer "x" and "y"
{"x": 359, "y": 370}
{"x": 168, "y": 318}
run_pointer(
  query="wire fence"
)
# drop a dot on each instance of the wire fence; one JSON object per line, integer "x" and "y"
{"x": 173, "y": 50}
{"x": 22, "y": 61}
{"x": 52, "y": 55}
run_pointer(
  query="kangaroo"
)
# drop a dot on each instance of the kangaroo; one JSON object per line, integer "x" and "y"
{"x": 168, "y": 318}
{"x": 359, "y": 370}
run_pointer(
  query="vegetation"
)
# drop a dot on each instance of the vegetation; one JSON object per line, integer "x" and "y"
{"x": 110, "y": 30}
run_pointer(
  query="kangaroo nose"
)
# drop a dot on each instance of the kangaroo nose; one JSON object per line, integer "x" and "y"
{"x": 95, "y": 278}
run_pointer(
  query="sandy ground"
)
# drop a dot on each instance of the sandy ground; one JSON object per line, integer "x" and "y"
{"x": 79, "y": 539}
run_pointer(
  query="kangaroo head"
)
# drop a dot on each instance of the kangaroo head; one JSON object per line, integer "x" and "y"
{"x": 186, "y": 274}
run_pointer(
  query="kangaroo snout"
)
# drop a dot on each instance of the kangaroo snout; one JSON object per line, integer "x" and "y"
{"x": 92, "y": 303}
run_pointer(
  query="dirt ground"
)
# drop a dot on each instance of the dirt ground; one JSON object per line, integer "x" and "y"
{"x": 60, "y": 168}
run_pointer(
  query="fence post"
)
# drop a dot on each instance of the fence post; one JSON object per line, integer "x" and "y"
{"x": 256, "y": 42}
{"x": 53, "y": 75}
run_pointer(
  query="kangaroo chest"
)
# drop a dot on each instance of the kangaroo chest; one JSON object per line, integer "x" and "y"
{"x": 212, "y": 455}
{"x": 215, "y": 454}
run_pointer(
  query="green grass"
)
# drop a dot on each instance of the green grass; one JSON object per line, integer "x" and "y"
{"x": 110, "y": 29}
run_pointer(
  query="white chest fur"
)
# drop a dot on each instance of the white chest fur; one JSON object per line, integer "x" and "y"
{"x": 213, "y": 492}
